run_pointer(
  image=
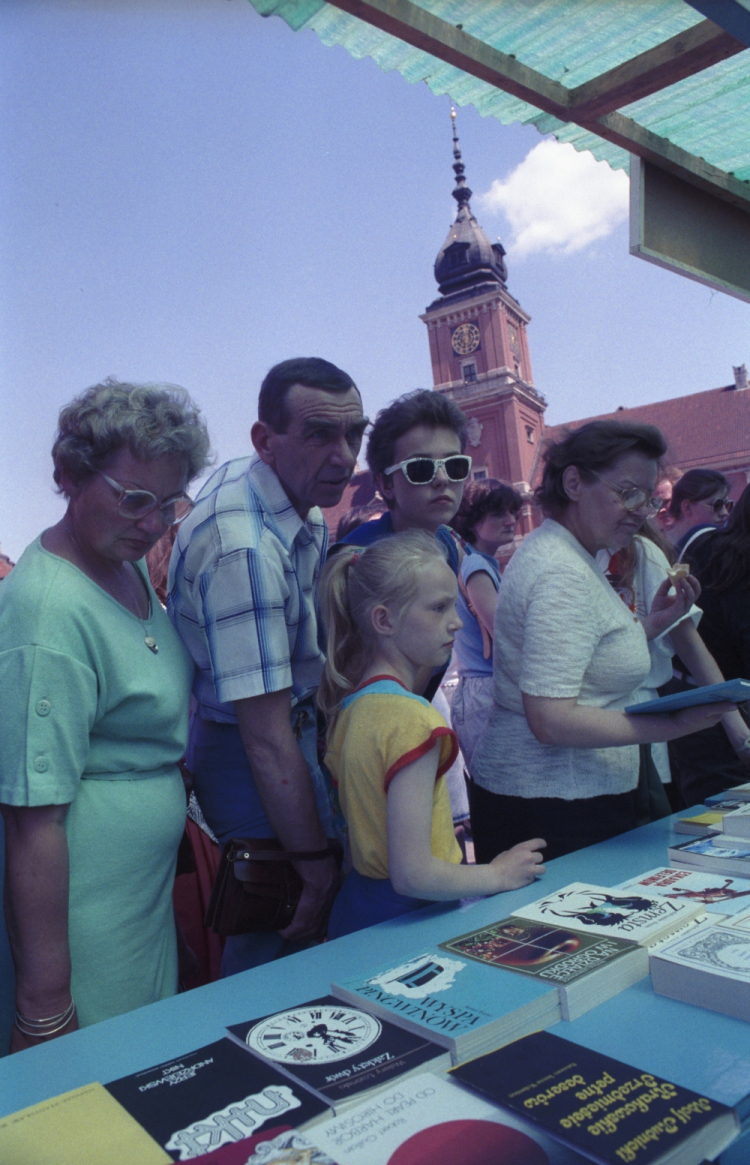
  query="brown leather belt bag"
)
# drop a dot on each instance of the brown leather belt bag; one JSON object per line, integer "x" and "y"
{"x": 257, "y": 887}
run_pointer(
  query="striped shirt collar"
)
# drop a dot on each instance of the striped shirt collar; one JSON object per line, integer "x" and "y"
{"x": 281, "y": 515}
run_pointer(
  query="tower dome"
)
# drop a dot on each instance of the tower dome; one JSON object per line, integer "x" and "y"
{"x": 467, "y": 258}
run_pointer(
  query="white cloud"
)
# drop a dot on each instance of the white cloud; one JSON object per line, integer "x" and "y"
{"x": 558, "y": 200}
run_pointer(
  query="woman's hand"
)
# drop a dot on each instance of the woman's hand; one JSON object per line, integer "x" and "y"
{"x": 519, "y": 866}
{"x": 701, "y": 716}
{"x": 668, "y": 609}
{"x": 36, "y": 913}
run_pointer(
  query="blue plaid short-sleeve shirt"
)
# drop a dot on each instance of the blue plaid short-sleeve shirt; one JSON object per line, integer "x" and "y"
{"x": 243, "y": 589}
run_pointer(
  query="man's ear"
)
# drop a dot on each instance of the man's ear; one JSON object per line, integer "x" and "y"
{"x": 262, "y": 436}
{"x": 385, "y": 485}
{"x": 572, "y": 482}
{"x": 381, "y": 620}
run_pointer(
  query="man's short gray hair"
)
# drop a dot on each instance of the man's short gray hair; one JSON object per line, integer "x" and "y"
{"x": 151, "y": 420}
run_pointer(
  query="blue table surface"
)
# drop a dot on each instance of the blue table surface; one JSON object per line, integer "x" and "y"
{"x": 696, "y": 1048}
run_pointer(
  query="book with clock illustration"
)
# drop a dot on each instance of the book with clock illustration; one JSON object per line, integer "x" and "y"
{"x": 463, "y": 1006}
{"x": 342, "y": 1054}
{"x": 213, "y": 1097}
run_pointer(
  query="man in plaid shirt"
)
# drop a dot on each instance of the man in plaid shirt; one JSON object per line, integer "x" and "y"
{"x": 243, "y": 597}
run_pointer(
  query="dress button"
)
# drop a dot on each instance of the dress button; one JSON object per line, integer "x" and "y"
{"x": 43, "y": 707}
{"x": 41, "y": 764}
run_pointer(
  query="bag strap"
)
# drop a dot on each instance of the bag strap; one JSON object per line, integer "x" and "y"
{"x": 486, "y": 637}
{"x": 240, "y": 854}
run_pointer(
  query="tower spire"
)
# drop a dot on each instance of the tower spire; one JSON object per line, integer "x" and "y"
{"x": 462, "y": 193}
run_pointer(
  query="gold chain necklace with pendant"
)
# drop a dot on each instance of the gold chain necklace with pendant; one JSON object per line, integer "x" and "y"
{"x": 148, "y": 639}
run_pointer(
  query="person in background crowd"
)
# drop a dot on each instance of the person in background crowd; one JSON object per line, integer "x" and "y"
{"x": 243, "y": 597}
{"x": 636, "y": 573}
{"x": 95, "y": 687}
{"x": 486, "y": 519}
{"x": 668, "y": 477}
{"x": 390, "y": 612}
{"x": 699, "y": 502}
{"x": 356, "y": 516}
{"x": 711, "y": 761}
{"x": 558, "y": 756}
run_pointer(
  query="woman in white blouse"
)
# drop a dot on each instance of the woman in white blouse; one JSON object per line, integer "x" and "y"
{"x": 559, "y": 756}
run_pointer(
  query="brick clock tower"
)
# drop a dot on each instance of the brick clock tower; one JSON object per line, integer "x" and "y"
{"x": 479, "y": 349}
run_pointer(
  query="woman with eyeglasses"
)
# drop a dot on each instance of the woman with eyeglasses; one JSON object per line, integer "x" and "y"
{"x": 558, "y": 758}
{"x": 96, "y": 685}
{"x": 699, "y": 502}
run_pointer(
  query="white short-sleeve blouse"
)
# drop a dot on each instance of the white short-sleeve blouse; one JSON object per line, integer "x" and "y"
{"x": 560, "y": 631}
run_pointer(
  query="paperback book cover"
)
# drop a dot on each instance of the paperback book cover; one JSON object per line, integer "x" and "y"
{"x": 736, "y": 793}
{"x": 719, "y": 854}
{"x": 214, "y": 1096}
{"x": 336, "y": 1051}
{"x": 460, "y": 1005}
{"x": 719, "y": 895}
{"x": 702, "y": 824}
{"x": 710, "y": 967}
{"x": 538, "y": 949}
{"x": 737, "y": 821}
{"x": 736, "y": 691}
{"x": 605, "y": 911}
{"x": 609, "y": 1111}
{"x": 84, "y": 1125}
{"x": 586, "y": 969}
{"x": 429, "y": 1120}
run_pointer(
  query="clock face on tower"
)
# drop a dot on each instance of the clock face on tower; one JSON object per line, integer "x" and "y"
{"x": 319, "y": 1034}
{"x": 465, "y": 339}
{"x": 513, "y": 337}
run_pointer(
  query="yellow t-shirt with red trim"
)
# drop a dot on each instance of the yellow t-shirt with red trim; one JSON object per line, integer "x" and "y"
{"x": 376, "y": 736}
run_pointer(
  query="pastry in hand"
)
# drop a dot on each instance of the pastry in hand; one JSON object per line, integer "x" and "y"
{"x": 679, "y": 571}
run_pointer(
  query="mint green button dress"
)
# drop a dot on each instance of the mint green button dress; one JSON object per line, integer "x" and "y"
{"x": 94, "y": 719}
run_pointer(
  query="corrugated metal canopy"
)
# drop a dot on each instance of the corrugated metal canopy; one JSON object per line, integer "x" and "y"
{"x": 596, "y": 73}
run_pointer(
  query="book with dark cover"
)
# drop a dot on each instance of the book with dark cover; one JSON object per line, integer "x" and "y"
{"x": 587, "y": 969}
{"x": 609, "y": 1111}
{"x": 538, "y": 949}
{"x": 211, "y": 1097}
{"x": 339, "y": 1052}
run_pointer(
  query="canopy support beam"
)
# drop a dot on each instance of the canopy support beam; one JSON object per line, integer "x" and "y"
{"x": 704, "y": 44}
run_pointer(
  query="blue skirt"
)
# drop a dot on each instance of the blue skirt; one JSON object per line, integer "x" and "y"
{"x": 363, "y": 902}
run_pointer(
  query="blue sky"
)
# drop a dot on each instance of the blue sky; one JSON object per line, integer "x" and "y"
{"x": 191, "y": 193}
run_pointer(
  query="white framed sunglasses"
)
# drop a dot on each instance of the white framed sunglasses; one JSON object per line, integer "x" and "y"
{"x": 422, "y": 470}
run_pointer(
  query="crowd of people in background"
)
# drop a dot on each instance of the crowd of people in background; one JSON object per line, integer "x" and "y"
{"x": 301, "y": 693}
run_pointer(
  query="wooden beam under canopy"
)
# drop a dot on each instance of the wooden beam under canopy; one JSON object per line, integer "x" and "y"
{"x": 590, "y": 105}
{"x": 681, "y": 56}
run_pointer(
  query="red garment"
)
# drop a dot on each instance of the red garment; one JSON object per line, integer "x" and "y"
{"x": 191, "y": 895}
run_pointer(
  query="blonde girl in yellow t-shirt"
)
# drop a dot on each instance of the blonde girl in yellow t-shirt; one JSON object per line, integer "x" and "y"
{"x": 390, "y": 616}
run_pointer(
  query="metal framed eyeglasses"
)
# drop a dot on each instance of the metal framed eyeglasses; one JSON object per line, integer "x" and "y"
{"x": 719, "y": 504}
{"x": 633, "y": 498}
{"x": 138, "y": 503}
{"x": 422, "y": 470}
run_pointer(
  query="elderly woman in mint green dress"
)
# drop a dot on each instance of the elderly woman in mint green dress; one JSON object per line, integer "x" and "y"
{"x": 96, "y": 685}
